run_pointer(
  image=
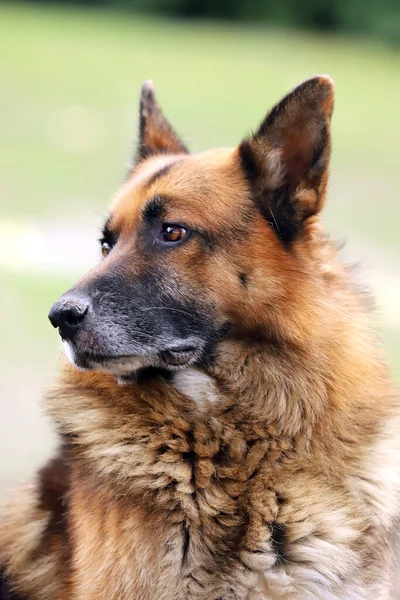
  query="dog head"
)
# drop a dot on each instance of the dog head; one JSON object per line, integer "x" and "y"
{"x": 198, "y": 247}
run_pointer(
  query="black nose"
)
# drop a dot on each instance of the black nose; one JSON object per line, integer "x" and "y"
{"x": 68, "y": 315}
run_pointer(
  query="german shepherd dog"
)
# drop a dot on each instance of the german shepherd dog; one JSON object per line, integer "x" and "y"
{"x": 227, "y": 426}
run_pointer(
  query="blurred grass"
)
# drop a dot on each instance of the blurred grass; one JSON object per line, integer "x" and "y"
{"x": 69, "y": 83}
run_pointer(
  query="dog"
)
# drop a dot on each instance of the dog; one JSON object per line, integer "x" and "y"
{"x": 227, "y": 425}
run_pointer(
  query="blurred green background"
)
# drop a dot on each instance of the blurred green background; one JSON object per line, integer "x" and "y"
{"x": 69, "y": 78}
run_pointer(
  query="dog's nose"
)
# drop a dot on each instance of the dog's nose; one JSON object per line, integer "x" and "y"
{"x": 68, "y": 315}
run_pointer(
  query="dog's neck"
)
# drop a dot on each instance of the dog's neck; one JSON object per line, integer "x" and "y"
{"x": 202, "y": 428}
{"x": 194, "y": 454}
{"x": 270, "y": 383}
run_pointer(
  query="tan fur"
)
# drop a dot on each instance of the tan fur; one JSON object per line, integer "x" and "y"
{"x": 271, "y": 474}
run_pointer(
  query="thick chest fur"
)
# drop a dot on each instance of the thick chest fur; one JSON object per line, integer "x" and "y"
{"x": 171, "y": 503}
{"x": 302, "y": 541}
{"x": 206, "y": 509}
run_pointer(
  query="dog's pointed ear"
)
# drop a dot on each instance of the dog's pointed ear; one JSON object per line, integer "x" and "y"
{"x": 156, "y": 136}
{"x": 286, "y": 161}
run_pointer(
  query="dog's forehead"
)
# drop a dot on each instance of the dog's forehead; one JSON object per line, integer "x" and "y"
{"x": 202, "y": 186}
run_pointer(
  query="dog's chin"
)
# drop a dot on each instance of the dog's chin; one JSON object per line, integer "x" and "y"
{"x": 173, "y": 359}
{"x": 113, "y": 365}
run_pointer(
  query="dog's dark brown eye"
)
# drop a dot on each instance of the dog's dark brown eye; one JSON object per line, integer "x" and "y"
{"x": 105, "y": 248}
{"x": 173, "y": 233}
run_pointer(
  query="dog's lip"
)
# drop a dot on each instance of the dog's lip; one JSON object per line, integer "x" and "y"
{"x": 115, "y": 364}
{"x": 171, "y": 356}
{"x": 176, "y": 354}
{"x": 182, "y": 348}
{"x": 179, "y": 354}
{"x": 93, "y": 360}
{"x": 101, "y": 358}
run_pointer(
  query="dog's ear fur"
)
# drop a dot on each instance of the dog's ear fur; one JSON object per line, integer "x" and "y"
{"x": 156, "y": 136}
{"x": 286, "y": 161}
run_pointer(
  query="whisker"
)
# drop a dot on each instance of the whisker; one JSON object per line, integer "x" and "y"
{"x": 185, "y": 312}
{"x": 140, "y": 332}
{"x": 273, "y": 216}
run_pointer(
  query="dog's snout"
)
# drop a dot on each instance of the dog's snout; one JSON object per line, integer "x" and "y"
{"x": 68, "y": 315}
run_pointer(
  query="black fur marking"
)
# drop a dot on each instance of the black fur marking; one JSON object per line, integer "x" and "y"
{"x": 280, "y": 499}
{"x": 281, "y": 214}
{"x": 243, "y": 279}
{"x": 190, "y": 457}
{"x": 54, "y": 485}
{"x": 249, "y": 165}
{"x": 278, "y": 540}
{"x": 186, "y": 544}
{"x": 221, "y": 458}
{"x": 145, "y": 374}
{"x": 6, "y": 592}
{"x": 107, "y": 224}
{"x": 158, "y": 174}
{"x": 219, "y": 334}
{"x": 154, "y": 209}
{"x": 274, "y": 204}
{"x": 317, "y": 160}
{"x": 244, "y": 365}
{"x": 163, "y": 449}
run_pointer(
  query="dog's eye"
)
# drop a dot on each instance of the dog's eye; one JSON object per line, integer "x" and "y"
{"x": 107, "y": 240}
{"x": 105, "y": 249}
{"x": 173, "y": 233}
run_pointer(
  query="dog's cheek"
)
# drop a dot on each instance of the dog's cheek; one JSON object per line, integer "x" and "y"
{"x": 248, "y": 275}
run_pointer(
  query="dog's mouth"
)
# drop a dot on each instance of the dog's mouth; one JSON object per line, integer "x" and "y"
{"x": 173, "y": 357}
{"x": 179, "y": 355}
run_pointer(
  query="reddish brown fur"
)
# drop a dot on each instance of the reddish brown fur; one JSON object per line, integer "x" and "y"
{"x": 272, "y": 472}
